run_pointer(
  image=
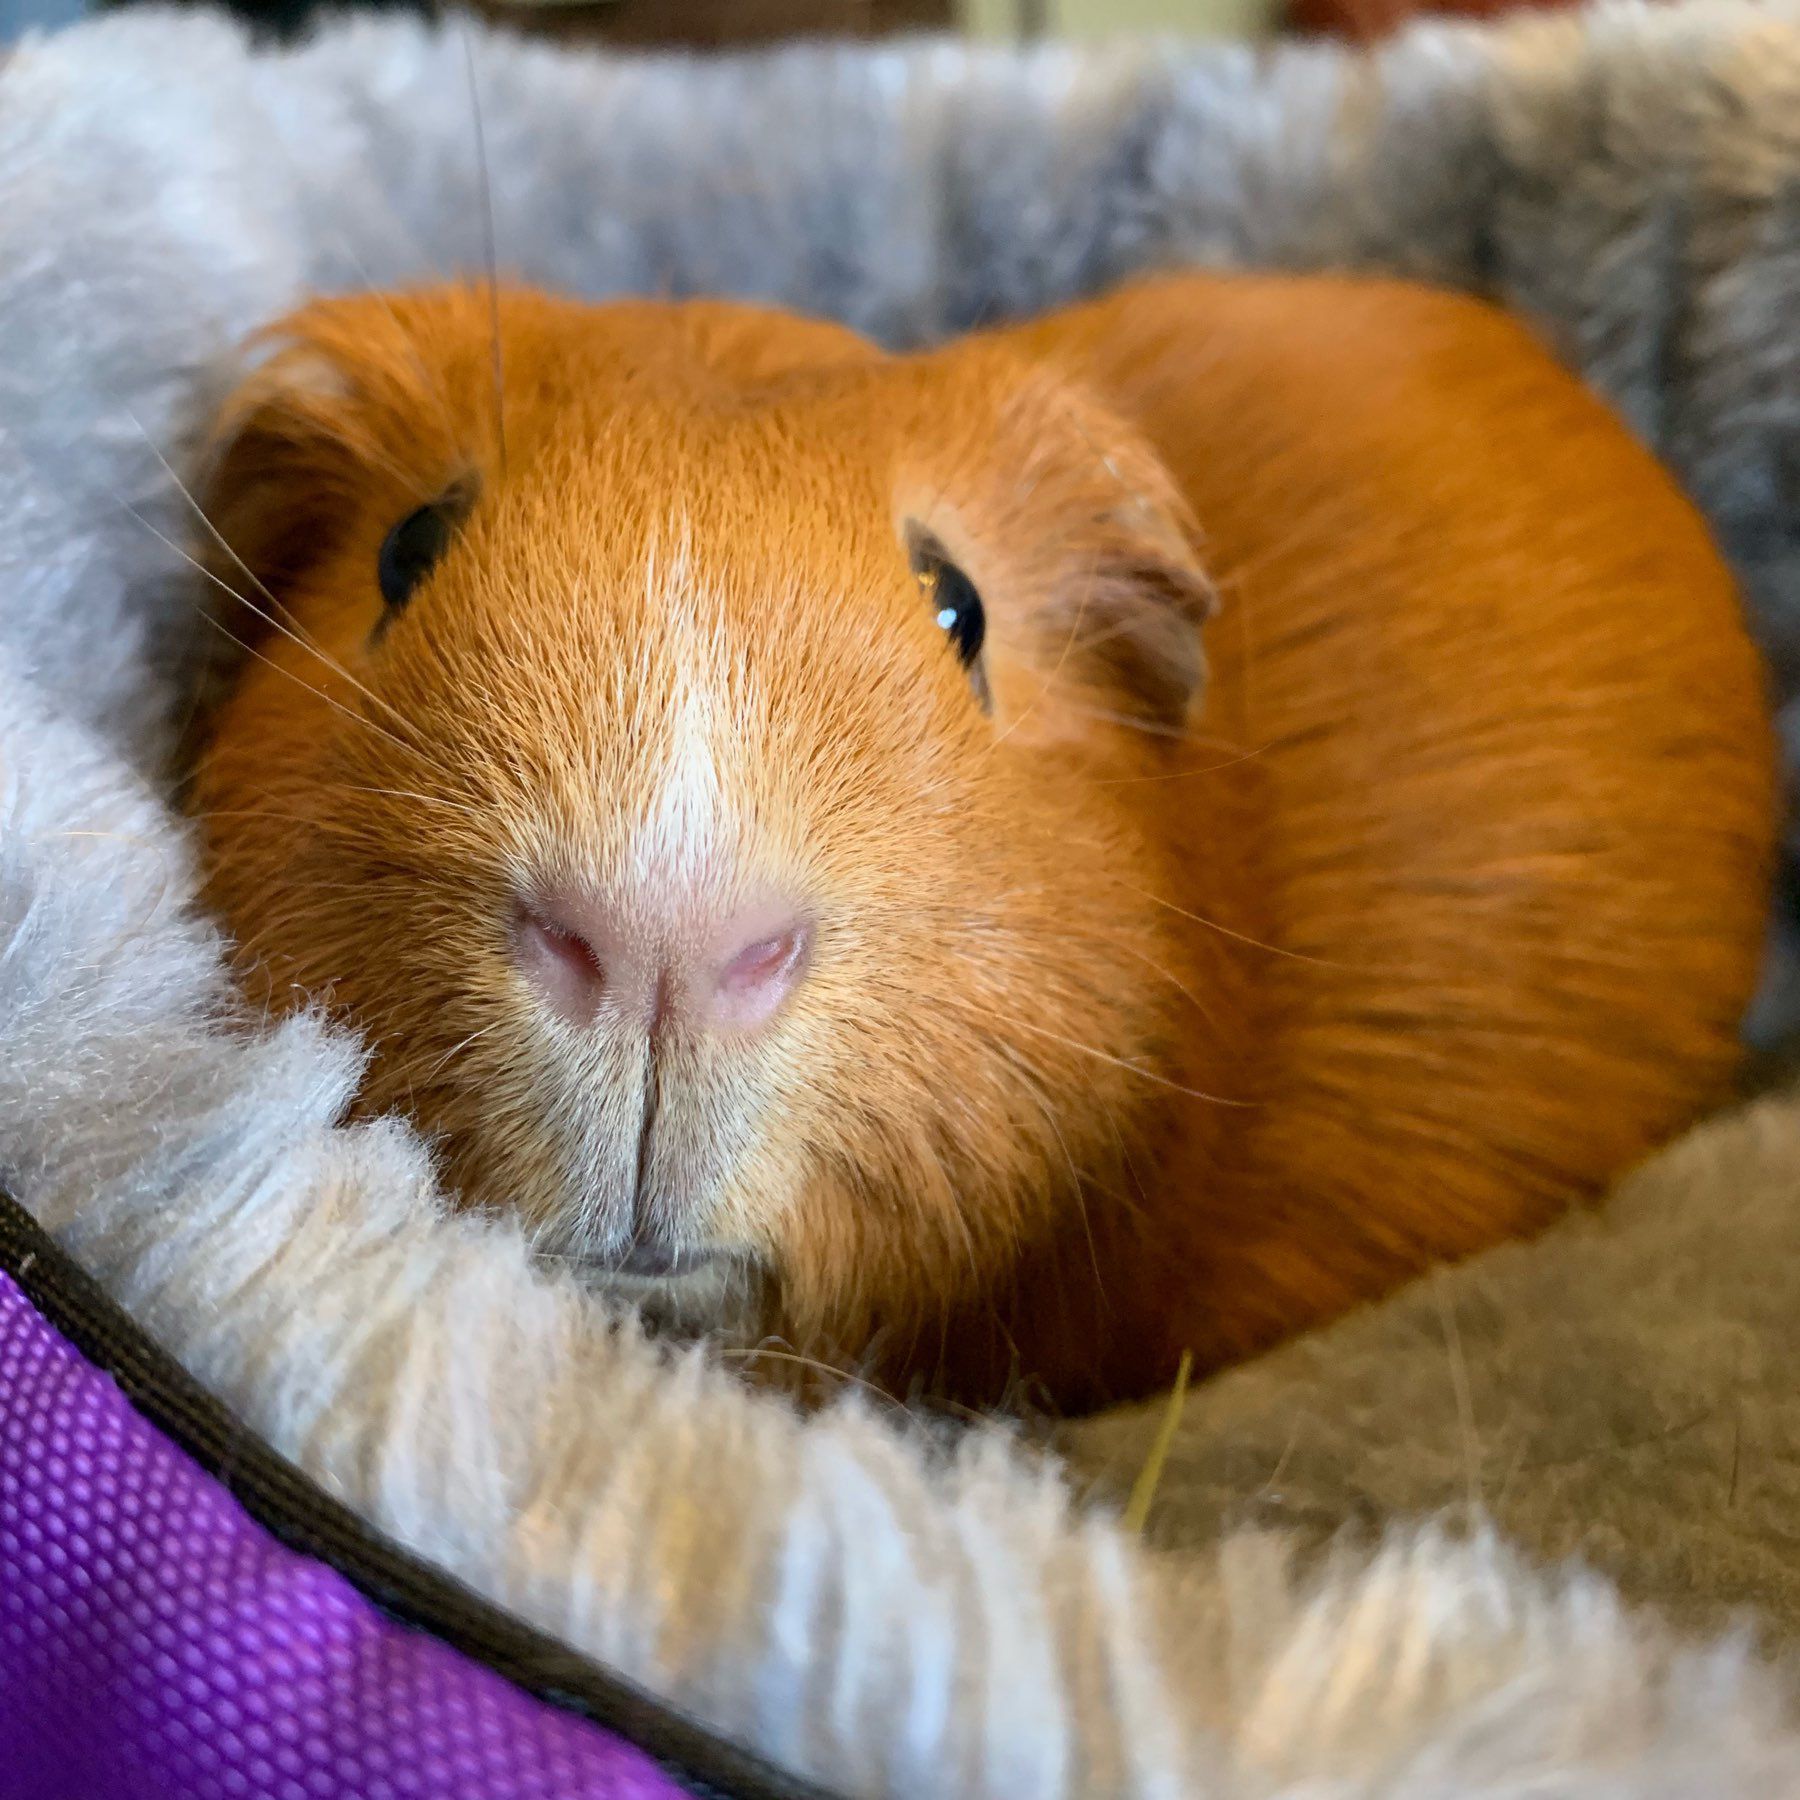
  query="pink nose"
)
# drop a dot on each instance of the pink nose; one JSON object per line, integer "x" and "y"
{"x": 588, "y": 960}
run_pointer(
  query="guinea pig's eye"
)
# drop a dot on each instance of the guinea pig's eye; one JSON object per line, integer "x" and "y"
{"x": 411, "y": 550}
{"x": 955, "y": 605}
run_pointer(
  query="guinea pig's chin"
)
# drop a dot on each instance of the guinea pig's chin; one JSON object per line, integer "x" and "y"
{"x": 717, "y": 1296}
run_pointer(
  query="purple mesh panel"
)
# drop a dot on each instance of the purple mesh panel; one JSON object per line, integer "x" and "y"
{"x": 157, "y": 1644}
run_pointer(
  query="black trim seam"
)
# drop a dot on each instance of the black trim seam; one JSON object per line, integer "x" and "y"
{"x": 409, "y": 1590}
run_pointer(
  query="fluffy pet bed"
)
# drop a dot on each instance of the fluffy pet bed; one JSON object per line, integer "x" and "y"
{"x": 1358, "y": 1575}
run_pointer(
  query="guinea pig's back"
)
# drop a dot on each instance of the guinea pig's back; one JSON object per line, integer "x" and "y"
{"x": 1511, "y": 756}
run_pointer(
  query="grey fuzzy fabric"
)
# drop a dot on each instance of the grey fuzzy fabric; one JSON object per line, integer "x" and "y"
{"x": 1619, "y": 1391}
{"x": 1627, "y": 180}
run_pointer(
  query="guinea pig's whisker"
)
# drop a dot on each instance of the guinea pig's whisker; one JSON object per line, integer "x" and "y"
{"x": 763, "y": 1353}
{"x": 1174, "y": 981}
{"x": 1137, "y": 1201}
{"x": 1027, "y": 1076}
{"x": 299, "y": 681}
{"x": 442, "y": 801}
{"x": 1132, "y": 1068}
{"x": 306, "y": 686}
{"x": 1077, "y": 1188}
{"x": 1229, "y": 762}
{"x": 219, "y": 538}
{"x": 456, "y": 1050}
{"x": 1319, "y": 526}
{"x": 490, "y": 252}
{"x": 1241, "y": 937}
{"x": 964, "y": 1234}
{"x": 1130, "y": 721}
{"x": 299, "y": 639}
{"x": 199, "y": 511}
{"x": 1114, "y": 942}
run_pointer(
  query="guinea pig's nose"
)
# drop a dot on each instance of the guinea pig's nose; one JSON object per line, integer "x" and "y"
{"x": 751, "y": 966}
{"x": 586, "y": 957}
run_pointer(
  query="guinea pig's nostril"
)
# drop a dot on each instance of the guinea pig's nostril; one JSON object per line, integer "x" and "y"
{"x": 761, "y": 963}
{"x": 591, "y": 961}
{"x": 754, "y": 980}
{"x": 561, "y": 962}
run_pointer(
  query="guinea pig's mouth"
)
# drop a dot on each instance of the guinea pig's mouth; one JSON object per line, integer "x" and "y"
{"x": 690, "y": 1290}
{"x": 657, "y": 1262}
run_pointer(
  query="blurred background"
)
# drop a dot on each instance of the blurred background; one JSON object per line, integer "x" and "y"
{"x": 725, "y": 23}
{"x": 717, "y": 24}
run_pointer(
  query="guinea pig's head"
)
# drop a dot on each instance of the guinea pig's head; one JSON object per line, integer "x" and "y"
{"x": 702, "y": 755}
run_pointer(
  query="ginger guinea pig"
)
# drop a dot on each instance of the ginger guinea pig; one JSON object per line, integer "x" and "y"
{"x": 765, "y": 802}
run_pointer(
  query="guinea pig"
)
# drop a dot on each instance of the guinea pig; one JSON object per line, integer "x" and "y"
{"x": 1122, "y": 835}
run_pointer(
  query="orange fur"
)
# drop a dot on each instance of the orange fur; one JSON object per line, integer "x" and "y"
{"x": 1151, "y": 1011}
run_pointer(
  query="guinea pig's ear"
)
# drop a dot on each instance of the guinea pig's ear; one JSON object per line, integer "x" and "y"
{"x": 1132, "y": 594}
{"x": 281, "y": 469}
{"x": 1121, "y": 590}
{"x": 334, "y": 427}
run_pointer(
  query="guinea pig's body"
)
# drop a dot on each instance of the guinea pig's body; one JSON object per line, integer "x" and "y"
{"x": 775, "y": 825}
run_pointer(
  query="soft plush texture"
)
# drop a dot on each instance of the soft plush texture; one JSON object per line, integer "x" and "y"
{"x": 887, "y": 1611}
{"x": 1623, "y": 1390}
{"x": 155, "y": 1642}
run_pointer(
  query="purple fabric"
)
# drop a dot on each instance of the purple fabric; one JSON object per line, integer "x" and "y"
{"x": 156, "y": 1643}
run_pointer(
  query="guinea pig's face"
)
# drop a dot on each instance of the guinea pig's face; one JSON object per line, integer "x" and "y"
{"x": 698, "y": 752}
